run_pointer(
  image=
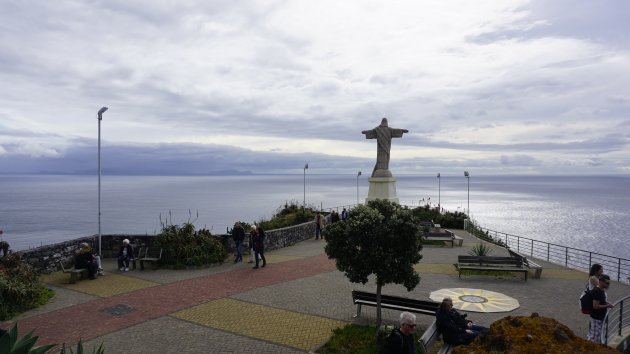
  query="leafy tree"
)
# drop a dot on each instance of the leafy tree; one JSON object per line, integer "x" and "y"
{"x": 380, "y": 238}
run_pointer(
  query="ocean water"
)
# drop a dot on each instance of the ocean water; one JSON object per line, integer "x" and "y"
{"x": 586, "y": 212}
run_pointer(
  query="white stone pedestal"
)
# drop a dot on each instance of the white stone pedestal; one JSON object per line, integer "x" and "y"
{"x": 382, "y": 188}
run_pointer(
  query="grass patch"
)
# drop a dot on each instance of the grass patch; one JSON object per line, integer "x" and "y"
{"x": 495, "y": 273}
{"x": 355, "y": 339}
{"x": 351, "y": 339}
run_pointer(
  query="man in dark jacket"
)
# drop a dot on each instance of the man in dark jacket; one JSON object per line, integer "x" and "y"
{"x": 238, "y": 234}
{"x": 453, "y": 326}
{"x": 85, "y": 259}
{"x": 401, "y": 341}
{"x": 600, "y": 307}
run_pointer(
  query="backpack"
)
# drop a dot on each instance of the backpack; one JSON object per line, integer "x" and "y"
{"x": 586, "y": 301}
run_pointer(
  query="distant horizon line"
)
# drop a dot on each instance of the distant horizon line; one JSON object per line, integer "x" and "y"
{"x": 250, "y": 173}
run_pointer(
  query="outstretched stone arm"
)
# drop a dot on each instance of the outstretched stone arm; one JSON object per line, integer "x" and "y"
{"x": 398, "y": 133}
{"x": 369, "y": 134}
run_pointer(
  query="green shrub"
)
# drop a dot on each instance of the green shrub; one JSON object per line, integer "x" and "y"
{"x": 289, "y": 214}
{"x": 20, "y": 287}
{"x": 480, "y": 249}
{"x": 183, "y": 246}
{"x": 447, "y": 219}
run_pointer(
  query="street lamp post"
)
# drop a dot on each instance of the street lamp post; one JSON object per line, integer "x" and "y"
{"x": 100, "y": 117}
{"x": 358, "y": 174}
{"x": 304, "y": 202}
{"x": 439, "y": 193}
{"x": 467, "y": 175}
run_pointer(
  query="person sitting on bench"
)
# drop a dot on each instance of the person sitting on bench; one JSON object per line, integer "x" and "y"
{"x": 455, "y": 328}
{"x": 401, "y": 341}
{"x": 125, "y": 254}
{"x": 84, "y": 259}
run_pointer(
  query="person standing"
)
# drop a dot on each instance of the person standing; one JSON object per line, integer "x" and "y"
{"x": 238, "y": 234}
{"x": 259, "y": 246}
{"x": 252, "y": 232}
{"x": 125, "y": 254}
{"x": 600, "y": 307}
{"x": 318, "y": 225}
{"x": 400, "y": 341}
{"x": 344, "y": 214}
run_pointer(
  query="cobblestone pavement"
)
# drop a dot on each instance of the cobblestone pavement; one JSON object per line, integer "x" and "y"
{"x": 290, "y": 306}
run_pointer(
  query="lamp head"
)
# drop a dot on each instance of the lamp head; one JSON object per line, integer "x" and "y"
{"x": 306, "y": 167}
{"x": 438, "y": 175}
{"x": 466, "y": 174}
{"x": 359, "y": 174}
{"x": 100, "y": 112}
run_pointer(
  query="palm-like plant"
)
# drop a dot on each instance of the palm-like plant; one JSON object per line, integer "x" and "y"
{"x": 11, "y": 344}
{"x": 480, "y": 249}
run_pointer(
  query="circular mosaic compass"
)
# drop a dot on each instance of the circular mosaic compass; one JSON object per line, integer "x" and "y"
{"x": 476, "y": 300}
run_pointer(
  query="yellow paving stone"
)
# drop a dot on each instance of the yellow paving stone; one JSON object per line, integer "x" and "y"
{"x": 435, "y": 268}
{"x": 103, "y": 286}
{"x": 275, "y": 325}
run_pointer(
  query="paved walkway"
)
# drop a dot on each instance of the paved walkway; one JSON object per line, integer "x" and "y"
{"x": 290, "y": 306}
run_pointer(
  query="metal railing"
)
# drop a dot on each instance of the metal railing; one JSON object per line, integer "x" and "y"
{"x": 616, "y": 319}
{"x": 617, "y": 268}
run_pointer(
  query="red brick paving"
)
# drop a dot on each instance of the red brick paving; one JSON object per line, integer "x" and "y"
{"x": 86, "y": 321}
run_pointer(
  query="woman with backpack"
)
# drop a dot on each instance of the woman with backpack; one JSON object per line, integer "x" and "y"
{"x": 593, "y": 281}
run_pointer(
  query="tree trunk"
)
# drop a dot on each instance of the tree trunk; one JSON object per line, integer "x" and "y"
{"x": 378, "y": 305}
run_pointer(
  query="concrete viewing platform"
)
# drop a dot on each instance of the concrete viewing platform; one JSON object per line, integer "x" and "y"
{"x": 290, "y": 306}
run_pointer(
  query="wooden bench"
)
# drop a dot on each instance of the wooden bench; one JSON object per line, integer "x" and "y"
{"x": 428, "y": 339}
{"x": 360, "y": 298}
{"x": 151, "y": 255}
{"x": 425, "y": 223}
{"x": 456, "y": 239}
{"x": 440, "y": 237}
{"x": 528, "y": 263}
{"x": 490, "y": 263}
{"x": 141, "y": 252}
{"x": 75, "y": 274}
{"x": 446, "y": 236}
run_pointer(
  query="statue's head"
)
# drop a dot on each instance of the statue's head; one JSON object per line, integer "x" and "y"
{"x": 384, "y": 122}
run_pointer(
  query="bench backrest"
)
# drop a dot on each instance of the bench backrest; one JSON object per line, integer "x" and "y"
{"x": 519, "y": 256}
{"x": 154, "y": 252}
{"x": 429, "y": 337}
{"x": 139, "y": 252}
{"x": 490, "y": 260}
{"x": 63, "y": 269}
{"x": 396, "y": 300}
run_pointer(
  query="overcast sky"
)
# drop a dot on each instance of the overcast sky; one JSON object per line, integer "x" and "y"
{"x": 493, "y": 87}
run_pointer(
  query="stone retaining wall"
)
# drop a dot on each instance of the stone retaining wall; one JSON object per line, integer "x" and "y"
{"x": 45, "y": 258}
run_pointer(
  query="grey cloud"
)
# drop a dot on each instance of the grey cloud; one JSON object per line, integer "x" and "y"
{"x": 520, "y": 160}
